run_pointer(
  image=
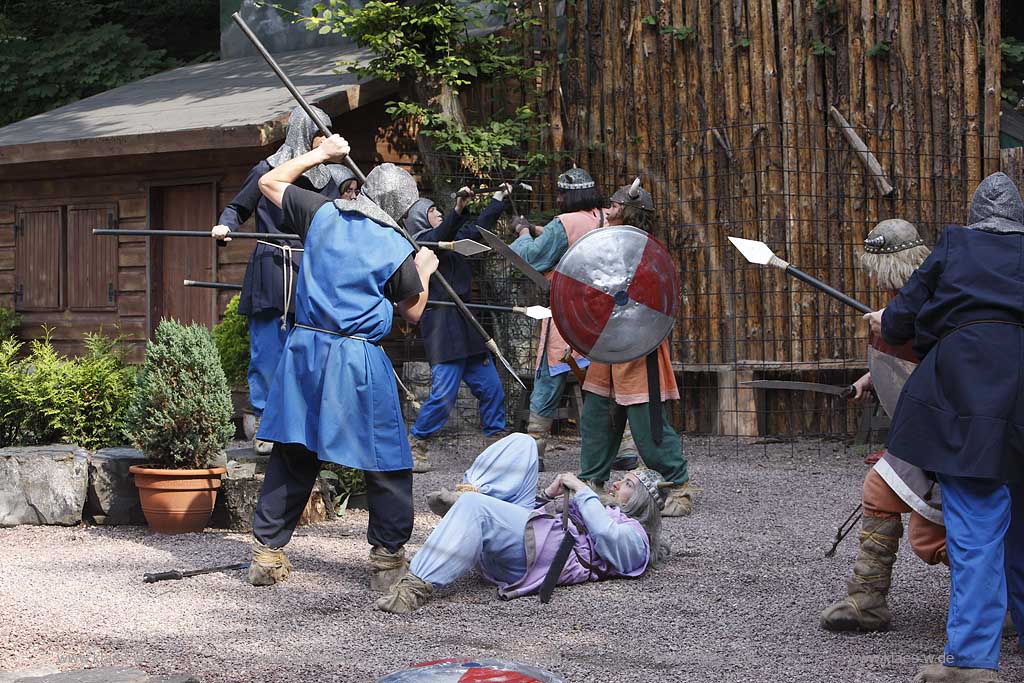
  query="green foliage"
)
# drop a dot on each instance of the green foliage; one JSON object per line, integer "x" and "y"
{"x": 1013, "y": 69}
{"x": 879, "y": 50}
{"x": 485, "y": 149}
{"x": 180, "y": 415}
{"x": 436, "y": 45}
{"x": 231, "y": 335}
{"x": 829, "y": 8}
{"x": 681, "y": 33}
{"x": 10, "y": 323}
{"x": 743, "y": 42}
{"x": 821, "y": 49}
{"x": 53, "y": 53}
{"x": 650, "y": 20}
{"x": 48, "y": 398}
{"x": 344, "y": 482}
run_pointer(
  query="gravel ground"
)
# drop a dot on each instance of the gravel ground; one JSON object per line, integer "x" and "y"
{"x": 739, "y": 600}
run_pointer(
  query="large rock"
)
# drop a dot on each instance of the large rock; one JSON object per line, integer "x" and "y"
{"x": 113, "y": 498}
{"x": 43, "y": 484}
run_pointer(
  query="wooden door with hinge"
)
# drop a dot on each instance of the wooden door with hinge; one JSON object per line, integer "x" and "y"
{"x": 38, "y": 259}
{"x": 188, "y": 206}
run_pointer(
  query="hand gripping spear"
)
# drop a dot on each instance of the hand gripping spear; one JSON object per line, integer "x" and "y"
{"x": 491, "y": 345}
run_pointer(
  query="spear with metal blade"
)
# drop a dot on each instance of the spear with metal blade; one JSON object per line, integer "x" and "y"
{"x": 759, "y": 253}
{"x": 535, "y": 312}
{"x": 465, "y": 247}
{"x": 845, "y": 392}
{"x": 489, "y": 343}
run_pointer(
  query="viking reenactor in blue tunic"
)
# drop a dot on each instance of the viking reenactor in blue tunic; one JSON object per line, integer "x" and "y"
{"x": 267, "y": 297}
{"x": 961, "y": 417}
{"x": 333, "y": 396}
{"x": 455, "y": 351}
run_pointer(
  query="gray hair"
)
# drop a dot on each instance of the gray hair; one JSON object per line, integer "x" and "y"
{"x": 644, "y": 508}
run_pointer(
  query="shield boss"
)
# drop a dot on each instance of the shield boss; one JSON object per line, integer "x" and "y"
{"x": 615, "y": 294}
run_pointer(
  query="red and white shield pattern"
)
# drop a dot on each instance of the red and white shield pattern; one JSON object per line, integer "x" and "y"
{"x": 471, "y": 671}
{"x": 615, "y": 294}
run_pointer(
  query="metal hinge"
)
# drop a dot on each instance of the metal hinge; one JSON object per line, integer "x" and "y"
{"x": 18, "y": 228}
{"x": 111, "y": 292}
{"x": 111, "y": 222}
{"x": 19, "y": 293}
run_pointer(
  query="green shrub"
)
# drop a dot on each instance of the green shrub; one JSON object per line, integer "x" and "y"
{"x": 231, "y": 335}
{"x": 180, "y": 415}
{"x": 344, "y": 483}
{"x": 48, "y": 398}
{"x": 10, "y": 323}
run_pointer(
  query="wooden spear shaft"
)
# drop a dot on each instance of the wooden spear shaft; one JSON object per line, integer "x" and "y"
{"x": 866, "y": 156}
{"x": 491, "y": 345}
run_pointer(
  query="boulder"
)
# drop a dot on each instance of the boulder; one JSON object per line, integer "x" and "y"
{"x": 43, "y": 484}
{"x": 246, "y": 455}
{"x": 112, "y": 497}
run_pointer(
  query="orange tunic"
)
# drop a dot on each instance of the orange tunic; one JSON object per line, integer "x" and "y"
{"x": 627, "y": 382}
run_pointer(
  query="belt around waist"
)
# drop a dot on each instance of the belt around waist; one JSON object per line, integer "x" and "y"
{"x": 336, "y": 334}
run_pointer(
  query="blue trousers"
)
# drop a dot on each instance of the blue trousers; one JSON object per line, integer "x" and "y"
{"x": 547, "y": 389}
{"x": 266, "y": 344}
{"x": 479, "y": 373}
{"x": 486, "y": 528}
{"x": 985, "y": 540}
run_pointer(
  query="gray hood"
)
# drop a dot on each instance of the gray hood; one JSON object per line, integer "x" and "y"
{"x": 997, "y": 206}
{"x": 299, "y": 140}
{"x": 392, "y": 189}
{"x": 417, "y": 221}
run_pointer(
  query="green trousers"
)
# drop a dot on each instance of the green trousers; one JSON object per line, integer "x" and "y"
{"x": 601, "y": 427}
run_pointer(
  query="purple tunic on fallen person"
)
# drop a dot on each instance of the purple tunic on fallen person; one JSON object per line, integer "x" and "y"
{"x": 544, "y": 535}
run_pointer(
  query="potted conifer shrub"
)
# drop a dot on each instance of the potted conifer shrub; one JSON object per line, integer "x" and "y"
{"x": 180, "y": 417}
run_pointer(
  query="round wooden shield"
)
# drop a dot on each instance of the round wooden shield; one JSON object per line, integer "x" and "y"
{"x": 471, "y": 671}
{"x": 615, "y": 294}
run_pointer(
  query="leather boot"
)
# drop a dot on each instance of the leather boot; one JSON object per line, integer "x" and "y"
{"x": 539, "y": 427}
{"x": 678, "y": 499}
{"x": 406, "y": 596}
{"x": 939, "y": 673}
{"x": 628, "y": 457}
{"x": 419, "y": 448}
{"x": 386, "y": 568}
{"x": 268, "y": 566}
{"x": 865, "y": 608}
{"x": 440, "y": 502}
{"x": 491, "y": 439}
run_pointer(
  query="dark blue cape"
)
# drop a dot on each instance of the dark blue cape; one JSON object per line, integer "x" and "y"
{"x": 263, "y": 286}
{"x": 961, "y": 413}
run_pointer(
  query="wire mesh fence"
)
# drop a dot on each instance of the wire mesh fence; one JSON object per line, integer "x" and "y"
{"x": 804, "y": 191}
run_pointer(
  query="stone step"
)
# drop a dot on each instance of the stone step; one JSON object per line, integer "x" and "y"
{"x": 99, "y": 675}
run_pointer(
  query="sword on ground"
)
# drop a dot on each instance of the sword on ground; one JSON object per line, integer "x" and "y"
{"x": 465, "y": 247}
{"x": 491, "y": 345}
{"x": 176, "y": 574}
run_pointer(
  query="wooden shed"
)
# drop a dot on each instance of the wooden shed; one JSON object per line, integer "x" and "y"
{"x": 166, "y": 152}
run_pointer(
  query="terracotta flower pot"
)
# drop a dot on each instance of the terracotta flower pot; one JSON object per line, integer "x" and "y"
{"x": 177, "y": 501}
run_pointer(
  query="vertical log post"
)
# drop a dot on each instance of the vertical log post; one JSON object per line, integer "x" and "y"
{"x": 993, "y": 69}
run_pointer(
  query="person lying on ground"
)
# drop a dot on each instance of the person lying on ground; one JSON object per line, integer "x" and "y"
{"x": 496, "y": 522}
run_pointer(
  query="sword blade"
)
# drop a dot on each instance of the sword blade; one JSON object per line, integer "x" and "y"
{"x": 799, "y": 386}
{"x": 495, "y": 243}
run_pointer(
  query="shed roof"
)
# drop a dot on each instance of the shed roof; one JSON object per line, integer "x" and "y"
{"x": 230, "y": 103}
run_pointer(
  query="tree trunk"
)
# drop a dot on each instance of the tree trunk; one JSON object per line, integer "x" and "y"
{"x": 440, "y": 98}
